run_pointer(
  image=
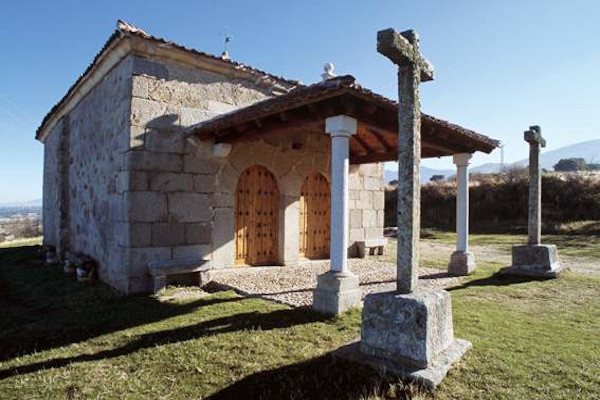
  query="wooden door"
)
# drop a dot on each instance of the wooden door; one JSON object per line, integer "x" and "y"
{"x": 314, "y": 217}
{"x": 256, "y": 217}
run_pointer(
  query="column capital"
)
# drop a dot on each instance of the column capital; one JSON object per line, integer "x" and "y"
{"x": 462, "y": 159}
{"x": 341, "y": 125}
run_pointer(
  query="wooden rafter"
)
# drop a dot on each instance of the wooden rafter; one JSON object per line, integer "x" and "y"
{"x": 364, "y": 144}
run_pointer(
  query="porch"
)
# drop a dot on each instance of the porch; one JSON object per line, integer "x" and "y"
{"x": 376, "y": 275}
{"x": 362, "y": 127}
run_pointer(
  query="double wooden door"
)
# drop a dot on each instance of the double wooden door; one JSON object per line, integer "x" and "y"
{"x": 256, "y": 217}
{"x": 314, "y": 217}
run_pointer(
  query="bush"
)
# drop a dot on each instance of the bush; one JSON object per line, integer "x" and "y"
{"x": 23, "y": 227}
{"x": 571, "y": 165}
{"x": 502, "y": 201}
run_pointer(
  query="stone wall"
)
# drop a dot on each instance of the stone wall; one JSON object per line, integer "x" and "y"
{"x": 51, "y": 187}
{"x": 138, "y": 192}
{"x": 366, "y": 203}
{"x": 291, "y": 157}
{"x": 84, "y": 154}
{"x": 169, "y": 183}
{"x": 99, "y": 127}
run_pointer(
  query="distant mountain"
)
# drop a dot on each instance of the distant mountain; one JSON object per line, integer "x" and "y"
{"x": 37, "y": 203}
{"x": 488, "y": 168}
{"x": 589, "y": 150}
{"x": 426, "y": 174}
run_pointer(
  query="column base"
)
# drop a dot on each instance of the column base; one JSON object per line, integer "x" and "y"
{"x": 411, "y": 334}
{"x": 539, "y": 260}
{"x": 461, "y": 263}
{"x": 336, "y": 292}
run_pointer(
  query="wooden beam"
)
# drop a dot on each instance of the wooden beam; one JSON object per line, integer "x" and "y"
{"x": 269, "y": 125}
{"x": 370, "y": 108}
{"x": 314, "y": 110}
{"x": 437, "y": 137}
{"x": 381, "y": 140}
{"x": 364, "y": 144}
{"x": 385, "y": 157}
{"x": 348, "y": 104}
{"x": 435, "y": 146}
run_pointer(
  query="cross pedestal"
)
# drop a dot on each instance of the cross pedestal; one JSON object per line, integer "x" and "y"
{"x": 534, "y": 258}
{"x": 408, "y": 331}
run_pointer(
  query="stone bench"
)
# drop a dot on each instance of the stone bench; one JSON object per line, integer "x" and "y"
{"x": 373, "y": 245}
{"x": 159, "y": 270}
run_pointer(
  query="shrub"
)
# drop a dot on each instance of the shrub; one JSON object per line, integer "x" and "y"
{"x": 502, "y": 201}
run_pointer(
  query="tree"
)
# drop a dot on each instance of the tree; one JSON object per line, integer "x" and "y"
{"x": 436, "y": 178}
{"x": 571, "y": 164}
{"x": 594, "y": 167}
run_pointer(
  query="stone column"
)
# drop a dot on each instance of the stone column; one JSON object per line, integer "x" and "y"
{"x": 409, "y": 331}
{"x": 534, "y": 258}
{"x": 534, "y": 225}
{"x": 340, "y": 128}
{"x": 462, "y": 262}
{"x": 338, "y": 290}
{"x": 409, "y": 181}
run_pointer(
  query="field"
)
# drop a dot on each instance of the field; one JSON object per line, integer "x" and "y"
{"x": 60, "y": 339}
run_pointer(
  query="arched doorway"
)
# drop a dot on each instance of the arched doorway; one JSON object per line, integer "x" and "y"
{"x": 314, "y": 217}
{"x": 257, "y": 209}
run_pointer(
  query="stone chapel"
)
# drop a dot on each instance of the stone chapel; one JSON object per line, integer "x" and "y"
{"x": 164, "y": 155}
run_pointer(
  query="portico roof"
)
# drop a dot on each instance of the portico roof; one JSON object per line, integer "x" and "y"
{"x": 305, "y": 108}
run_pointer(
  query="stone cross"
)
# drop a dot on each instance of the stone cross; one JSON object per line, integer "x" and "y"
{"x": 403, "y": 50}
{"x": 534, "y": 137}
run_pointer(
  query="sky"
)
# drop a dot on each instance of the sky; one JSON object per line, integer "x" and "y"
{"x": 500, "y": 65}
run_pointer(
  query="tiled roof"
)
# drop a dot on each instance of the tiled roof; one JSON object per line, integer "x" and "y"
{"x": 333, "y": 87}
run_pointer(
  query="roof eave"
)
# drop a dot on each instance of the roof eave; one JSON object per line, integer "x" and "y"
{"x": 113, "y": 51}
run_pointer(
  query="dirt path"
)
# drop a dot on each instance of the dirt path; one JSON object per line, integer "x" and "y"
{"x": 438, "y": 252}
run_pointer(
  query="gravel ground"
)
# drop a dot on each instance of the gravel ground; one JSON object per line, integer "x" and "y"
{"x": 294, "y": 285}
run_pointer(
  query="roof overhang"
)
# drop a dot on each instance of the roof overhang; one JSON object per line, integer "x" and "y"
{"x": 306, "y": 108}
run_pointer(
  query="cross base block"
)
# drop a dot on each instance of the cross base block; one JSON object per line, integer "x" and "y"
{"x": 539, "y": 260}
{"x": 411, "y": 334}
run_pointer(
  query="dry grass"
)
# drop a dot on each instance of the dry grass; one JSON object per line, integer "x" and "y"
{"x": 61, "y": 339}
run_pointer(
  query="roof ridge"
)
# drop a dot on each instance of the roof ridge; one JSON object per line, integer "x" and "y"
{"x": 127, "y": 29}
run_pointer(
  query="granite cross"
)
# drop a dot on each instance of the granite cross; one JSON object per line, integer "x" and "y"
{"x": 534, "y": 137}
{"x": 403, "y": 50}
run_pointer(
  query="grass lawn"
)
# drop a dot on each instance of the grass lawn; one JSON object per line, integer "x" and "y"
{"x": 21, "y": 242}
{"x": 61, "y": 339}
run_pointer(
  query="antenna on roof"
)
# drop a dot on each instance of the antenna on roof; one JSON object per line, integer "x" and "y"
{"x": 225, "y": 54}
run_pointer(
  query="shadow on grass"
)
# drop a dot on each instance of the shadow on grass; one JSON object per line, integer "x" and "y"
{"x": 498, "y": 279}
{"x": 252, "y": 320}
{"x": 324, "y": 377}
{"x": 41, "y": 308}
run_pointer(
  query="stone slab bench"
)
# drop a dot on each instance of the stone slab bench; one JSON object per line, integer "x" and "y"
{"x": 159, "y": 270}
{"x": 372, "y": 245}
